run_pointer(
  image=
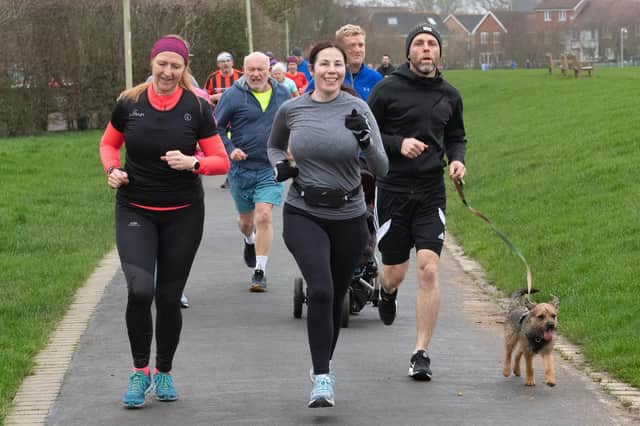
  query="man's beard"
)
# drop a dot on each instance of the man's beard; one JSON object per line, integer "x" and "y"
{"x": 424, "y": 69}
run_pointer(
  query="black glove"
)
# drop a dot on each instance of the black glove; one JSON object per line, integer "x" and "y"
{"x": 284, "y": 170}
{"x": 359, "y": 125}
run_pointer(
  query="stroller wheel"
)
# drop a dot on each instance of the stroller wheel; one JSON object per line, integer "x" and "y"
{"x": 346, "y": 309}
{"x": 298, "y": 297}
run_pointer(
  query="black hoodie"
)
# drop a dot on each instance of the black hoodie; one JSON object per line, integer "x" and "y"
{"x": 429, "y": 109}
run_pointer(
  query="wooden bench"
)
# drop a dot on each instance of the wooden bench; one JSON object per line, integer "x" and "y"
{"x": 567, "y": 62}
{"x": 584, "y": 66}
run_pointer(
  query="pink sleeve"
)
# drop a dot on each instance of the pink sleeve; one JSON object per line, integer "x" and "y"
{"x": 110, "y": 145}
{"x": 215, "y": 160}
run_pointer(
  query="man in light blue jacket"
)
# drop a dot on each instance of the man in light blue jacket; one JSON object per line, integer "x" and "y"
{"x": 248, "y": 109}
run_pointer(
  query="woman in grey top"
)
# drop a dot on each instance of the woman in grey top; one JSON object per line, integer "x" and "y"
{"x": 324, "y": 217}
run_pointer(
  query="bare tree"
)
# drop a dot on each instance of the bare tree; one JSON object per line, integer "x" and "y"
{"x": 493, "y": 4}
{"x": 443, "y": 7}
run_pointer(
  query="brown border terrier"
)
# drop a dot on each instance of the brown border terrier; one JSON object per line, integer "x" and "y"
{"x": 531, "y": 328}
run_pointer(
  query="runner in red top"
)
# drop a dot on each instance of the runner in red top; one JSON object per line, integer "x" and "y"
{"x": 298, "y": 78}
{"x": 222, "y": 78}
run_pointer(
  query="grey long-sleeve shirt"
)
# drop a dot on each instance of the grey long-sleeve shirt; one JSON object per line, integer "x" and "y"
{"x": 325, "y": 151}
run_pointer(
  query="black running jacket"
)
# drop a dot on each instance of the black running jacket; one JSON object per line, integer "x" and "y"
{"x": 428, "y": 109}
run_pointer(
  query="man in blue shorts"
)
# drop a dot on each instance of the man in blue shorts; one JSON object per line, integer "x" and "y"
{"x": 249, "y": 107}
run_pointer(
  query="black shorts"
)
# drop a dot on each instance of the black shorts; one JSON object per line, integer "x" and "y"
{"x": 405, "y": 220}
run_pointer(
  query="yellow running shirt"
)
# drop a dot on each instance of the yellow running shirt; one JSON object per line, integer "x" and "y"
{"x": 263, "y": 98}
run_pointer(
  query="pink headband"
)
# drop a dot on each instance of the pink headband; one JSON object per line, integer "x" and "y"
{"x": 170, "y": 44}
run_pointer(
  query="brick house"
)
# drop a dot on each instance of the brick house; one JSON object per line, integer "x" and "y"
{"x": 600, "y": 27}
{"x": 494, "y": 38}
{"x": 388, "y": 28}
{"x": 554, "y": 23}
{"x": 460, "y": 50}
{"x": 590, "y": 29}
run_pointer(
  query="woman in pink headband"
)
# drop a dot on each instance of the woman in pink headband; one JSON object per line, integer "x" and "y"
{"x": 159, "y": 206}
{"x": 169, "y": 65}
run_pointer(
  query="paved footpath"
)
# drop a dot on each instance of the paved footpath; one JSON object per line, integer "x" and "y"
{"x": 244, "y": 359}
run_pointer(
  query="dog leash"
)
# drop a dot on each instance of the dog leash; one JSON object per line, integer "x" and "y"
{"x": 512, "y": 247}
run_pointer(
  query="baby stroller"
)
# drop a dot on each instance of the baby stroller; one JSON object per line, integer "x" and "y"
{"x": 364, "y": 287}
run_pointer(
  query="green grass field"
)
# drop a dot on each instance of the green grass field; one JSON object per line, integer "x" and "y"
{"x": 550, "y": 162}
{"x": 56, "y": 223}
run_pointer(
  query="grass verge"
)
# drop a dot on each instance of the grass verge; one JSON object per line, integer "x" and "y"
{"x": 56, "y": 223}
{"x": 551, "y": 161}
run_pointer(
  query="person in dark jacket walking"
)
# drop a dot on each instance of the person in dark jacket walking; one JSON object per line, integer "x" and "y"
{"x": 420, "y": 119}
{"x": 386, "y": 68}
{"x": 249, "y": 108}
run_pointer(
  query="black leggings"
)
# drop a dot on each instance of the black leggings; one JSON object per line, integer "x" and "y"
{"x": 327, "y": 252}
{"x": 164, "y": 244}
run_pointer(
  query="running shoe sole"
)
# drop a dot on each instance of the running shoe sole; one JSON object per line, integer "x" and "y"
{"x": 257, "y": 288}
{"x": 322, "y": 402}
{"x": 166, "y": 399}
{"x": 419, "y": 375}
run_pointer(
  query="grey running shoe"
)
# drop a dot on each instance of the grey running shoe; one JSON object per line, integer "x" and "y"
{"x": 258, "y": 282}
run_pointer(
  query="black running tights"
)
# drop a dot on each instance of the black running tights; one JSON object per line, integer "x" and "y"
{"x": 327, "y": 252}
{"x": 164, "y": 243}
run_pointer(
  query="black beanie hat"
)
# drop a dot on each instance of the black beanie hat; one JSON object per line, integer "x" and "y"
{"x": 419, "y": 29}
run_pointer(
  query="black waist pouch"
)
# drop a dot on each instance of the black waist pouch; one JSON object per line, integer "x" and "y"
{"x": 325, "y": 197}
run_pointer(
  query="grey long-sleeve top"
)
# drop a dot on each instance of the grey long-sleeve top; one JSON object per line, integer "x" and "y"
{"x": 325, "y": 151}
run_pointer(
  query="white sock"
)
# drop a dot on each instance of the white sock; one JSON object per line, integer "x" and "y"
{"x": 261, "y": 262}
{"x": 251, "y": 239}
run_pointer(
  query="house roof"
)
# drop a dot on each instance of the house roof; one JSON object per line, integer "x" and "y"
{"x": 468, "y": 22}
{"x": 484, "y": 18}
{"x": 558, "y": 4}
{"x": 612, "y": 12}
{"x": 516, "y": 21}
{"x": 400, "y": 22}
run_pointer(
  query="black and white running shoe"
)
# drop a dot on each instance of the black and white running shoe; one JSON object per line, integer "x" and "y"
{"x": 420, "y": 366}
{"x": 387, "y": 306}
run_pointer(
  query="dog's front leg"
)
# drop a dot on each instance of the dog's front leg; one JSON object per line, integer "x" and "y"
{"x": 516, "y": 362}
{"x": 529, "y": 379}
{"x": 549, "y": 370}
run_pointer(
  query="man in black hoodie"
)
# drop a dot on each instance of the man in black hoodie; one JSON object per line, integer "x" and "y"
{"x": 420, "y": 119}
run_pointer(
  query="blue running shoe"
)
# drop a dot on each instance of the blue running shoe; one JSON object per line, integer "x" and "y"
{"x": 139, "y": 386}
{"x": 165, "y": 391}
{"x": 332, "y": 375}
{"x": 322, "y": 392}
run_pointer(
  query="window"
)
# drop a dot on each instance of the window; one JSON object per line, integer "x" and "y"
{"x": 496, "y": 39}
{"x": 562, "y": 15}
{"x": 392, "y": 21}
{"x": 484, "y": 38}
{"x": 547, "y": 16}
